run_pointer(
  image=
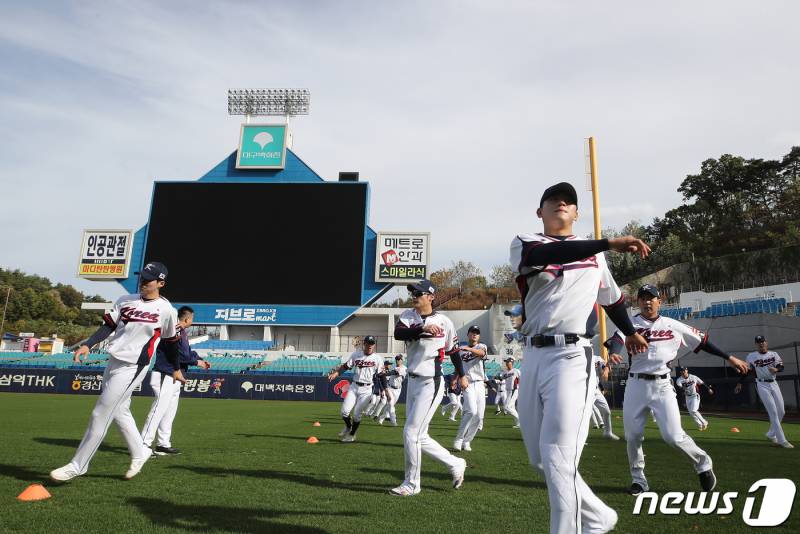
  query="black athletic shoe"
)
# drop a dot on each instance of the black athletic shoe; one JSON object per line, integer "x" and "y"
{"x": 635, "y": 489}
{"x": 708, "y": 481}
{"x": 163, "y": 451}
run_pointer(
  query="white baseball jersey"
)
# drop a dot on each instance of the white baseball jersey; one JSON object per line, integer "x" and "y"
{"x": 139, "y": 324}
{"x": 396, "y": 381}
{"x": 510, "y": 379}
{"x": 762, "y": 362}
{"x": 664, "y": 336}
{"x": 474, "y": 368}
{"x": 689, "y": 384}
{"x": 364, "y": 367}
{"x": 558, "y": 298}
{"x": 425, "y": 355}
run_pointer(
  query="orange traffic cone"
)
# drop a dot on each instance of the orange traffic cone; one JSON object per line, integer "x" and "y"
{"x": 312, "y": 439}
{"x": 734, "y": 429}
{"x": 34, "y": 492}
{"x": 316, "y": 423}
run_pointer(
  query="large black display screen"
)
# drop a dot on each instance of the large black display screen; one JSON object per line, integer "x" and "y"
{"x": 259, "y": 243}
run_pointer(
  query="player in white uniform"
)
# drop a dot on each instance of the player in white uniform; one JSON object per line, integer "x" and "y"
{"x": 499, "y": 393}
{"x": 365, "y": 364}
{"x": 690, "y": 384}
{"x": 429, "y": 337}
{"x": 649, "y": 387}
{"x": 600, "y": 402}
{"x": 472, "y": 355}
{"x": 510, "y": 377}
{"x": 767, "y": 364}
{"x": 140, "y": 321}
{"x": 395, "y": 378}
{"x": 560, "y": 277}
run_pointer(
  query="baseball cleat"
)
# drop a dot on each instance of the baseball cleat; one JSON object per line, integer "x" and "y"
{"x": 451, "y": 419}
{"x": 610, "y": 521}
{"x": 402, "y": 491}
{"x": 708, "y": 481}
{"x": 773, "y": 439}
{"x": 163, "y": 451}
{"x": 136, "y": 465}
{"x": 379, "y": 421}
{"x": 515, "y": 426}
{"x": 611, "y": 435}
{"x": 349, "y": 438}
{"x": 62, "y": 474}
{"x": 787, "y": 445}
{"x": 635, "y": 489}
{"x": 466, "y": 447}
{"x": 345, "y": 430}
{"x": 497, "y": 412}
{"x": 457, "y": 445}
{"x": 458, "y": 474}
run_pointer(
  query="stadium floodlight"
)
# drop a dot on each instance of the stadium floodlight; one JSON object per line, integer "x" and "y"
{"x": 285, "y": 102}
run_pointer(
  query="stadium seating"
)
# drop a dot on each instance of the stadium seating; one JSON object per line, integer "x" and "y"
{"x": 311, "y": 366}
{"x": 63, "y": 360}
{"x": 679, "y": 314}
{"x": 743, "y": 307}
{"x": 226, "y": 363}
{"x": 229, "y": 344}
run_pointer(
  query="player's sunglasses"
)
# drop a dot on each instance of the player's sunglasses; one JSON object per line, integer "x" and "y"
{"x": 417, "y": 293}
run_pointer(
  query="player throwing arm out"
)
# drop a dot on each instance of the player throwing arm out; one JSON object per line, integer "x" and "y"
{"x": 767, "y": 364}
{"x": 365, "y": 364}
{"x": 560, "y": 277}
{"x": 649, "y": 387}
{"x": 690, "y": 384}
{"x": 472, "y": 355}
{"x": 140, "y": 322}
{"x": 429, "y": 337}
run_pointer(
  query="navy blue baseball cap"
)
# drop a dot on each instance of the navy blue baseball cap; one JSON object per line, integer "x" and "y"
{"x": 473, "y": 328}
{"x": 648, "y": 289}
{"x": 387, "y": 362}
{"x": 760, "y": 339}
{"x": 561, "y": 188}
{"x": 154, "y": 271}
{"x": 424, "y": 285}
{"x": 398, "y": 358}
{"x": 369, "y": 340}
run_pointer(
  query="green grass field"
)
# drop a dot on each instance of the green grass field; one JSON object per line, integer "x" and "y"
{"x": 247, "y": 468}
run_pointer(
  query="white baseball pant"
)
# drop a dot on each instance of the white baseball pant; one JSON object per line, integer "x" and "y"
{"x": 500, "y": 398}
{"x": 602, "y": 407}
{"x": 356, "y": 401}
{"x": 423, "y": 396}
{"x": 596, "y": 418}
{"x": 114, "y": 404}
{"x": 389, "y": 411}
{"x": 772, "y": 399}
{"x": 162, "y": 413}
{"x": 454, "y": 406}
{"x": 556, "y": 390}
{"x": 693, "y": 406}
{"x": 471, "y": 411}
{"x": 642, "y": 397}
{"x": 510, "y": 407}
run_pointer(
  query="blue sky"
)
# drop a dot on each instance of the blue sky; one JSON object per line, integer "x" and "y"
{"x": 480, "y": 105}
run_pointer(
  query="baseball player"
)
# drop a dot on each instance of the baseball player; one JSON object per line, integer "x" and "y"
{"x": 453, "y": 393}
{"x": 649, "y": 387}
{"x": 395, "y": 378}
{"x": 140, "y": 322}
{"x": 597, "y": 419}
{"x": 510, "y": 378}
{"x": 766, "y": 364}
{"x": 365, "y": 364}
{"x": 600, "y": 402}
{"x": 496, "y": 385}
{"x": 690, "y": 386}
{"x": 377, "y": 394}
{"x": 167, "y": 390}
{"x": 472, "y": 355}
{"x": 429, "y": 337}
{"x": 382, "y": 380}
{"x": 560, "y": 277}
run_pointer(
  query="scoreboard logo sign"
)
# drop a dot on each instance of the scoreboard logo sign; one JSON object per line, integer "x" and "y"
{"x": 105, "y": 254}
{"x": 262, "y": 146}
{"x": 402, "y": 257}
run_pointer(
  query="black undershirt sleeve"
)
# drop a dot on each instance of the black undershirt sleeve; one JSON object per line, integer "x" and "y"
{"x": 619, "y": 316}
{"x": 102, "y": 333}
{"x": 561, "y": 252}
{"x": 406, "y": 333}
{"x": 712, "y": 349}
{"x": 457, "y": 363}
